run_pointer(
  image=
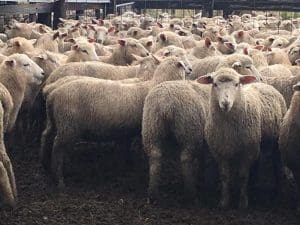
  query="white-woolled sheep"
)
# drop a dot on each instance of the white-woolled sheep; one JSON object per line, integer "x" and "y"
{"x": 240, "y": 117}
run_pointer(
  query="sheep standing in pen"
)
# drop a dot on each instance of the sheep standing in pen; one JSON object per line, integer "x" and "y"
{"x": 176, "y": 109}
{"x": 240, "y": 118}
{"x": 107, "y": 116}
{"x": 289, "y": 138}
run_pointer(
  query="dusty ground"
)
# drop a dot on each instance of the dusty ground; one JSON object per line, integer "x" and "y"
{"x": 100, "y": 191}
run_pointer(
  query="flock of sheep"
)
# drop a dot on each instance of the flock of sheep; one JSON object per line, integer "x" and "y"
{"x": 230, "y": 85}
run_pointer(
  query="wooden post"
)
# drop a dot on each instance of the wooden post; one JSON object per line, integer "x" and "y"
{"x": 79, "y": 13}
{"x": 97, "y": 13}
{"x": 59, "y": 12}
{"x": 32, "y": 17}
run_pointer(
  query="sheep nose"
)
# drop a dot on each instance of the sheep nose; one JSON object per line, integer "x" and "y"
{"x": 43, "y": 73}
{"x": 147, "y": 53}
{"x": 190, "y": 70}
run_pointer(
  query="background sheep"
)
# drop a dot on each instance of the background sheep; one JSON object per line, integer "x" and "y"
{"x": 114, "y": 117}
{"x": 288, "y": 139}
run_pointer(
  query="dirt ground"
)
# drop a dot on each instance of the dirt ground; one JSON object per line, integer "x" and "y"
{"x": 100, "y": 191}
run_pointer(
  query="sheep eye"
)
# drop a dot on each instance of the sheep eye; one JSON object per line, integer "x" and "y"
{"x": 237, "y": 84}
{"x": 27, "y": 64}
{"x": 85, "y": 51}
{"x": 134, "y": 45}
{"x": 215, "y": 85}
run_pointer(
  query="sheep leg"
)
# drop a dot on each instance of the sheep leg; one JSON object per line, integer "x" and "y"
{"x": 225, "y": 181}
{"x": 57, "y": 161}
{"x": 277, "y": 169}
{"x": 296, "y": 174}
{"x": 243, "y": 180}
{"x": 187, "y": 163}
{"x": 154, "y": 173}
{"x": 7, "y": 194}
{"x": 9, "y": 169}
{"x": 46, "y": 146}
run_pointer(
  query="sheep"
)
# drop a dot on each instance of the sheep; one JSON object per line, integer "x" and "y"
{"x": 129, "y": 97}
{"x": 138, "y": 33}
{"x": 204, "y": 48}
{"x": 243, "y": 36}
{"x": 241, "y": 63}
{"x": 82, "y": 52}
{"x": 17, "y": 73}
{"x": 106, "y": 71}
{"x": 276, "y": 70}
{"x": 166, "y": 38}
{"x": 235, "y": 140}
{"x": 258, "y": 57}
{"x": 174, "y": 109}
{"x": 288, "y": 138}
{"x": 7, "y": 181}
{"x": 226, "y": 44}
{"x": 284, "y": 85}
{"x": 101, "y": 33}
{"x": 18, "y": 45}
{"x": 48, "y": 41}
{"x": 277, "y": 56}
{"x": 123, "y": 54}
{"x": 294, "y": 54}
{"x": 17, "y": 29}
{"x": 147, "y": 42}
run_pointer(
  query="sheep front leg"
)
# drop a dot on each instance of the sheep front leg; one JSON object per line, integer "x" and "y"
{"x": 154, "y": 173}
{"x": 225, "y": 181}
{"x": 7, "y": 194}
{"x": 57, "y": 161}
{"x": 243, "y": 181}
{"x": 187, "y": 163}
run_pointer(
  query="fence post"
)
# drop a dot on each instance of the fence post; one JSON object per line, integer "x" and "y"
{"x": 59, "y": 12}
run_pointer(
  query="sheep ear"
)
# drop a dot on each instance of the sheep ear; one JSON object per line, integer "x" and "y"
{"x": 247, "y": 79}
{"x": 55, "y": 35}
{"x": 245, "y": 51}
{"x": 75, "y": 47}
{"x": 296, "y": 87}
{"x": 137, "y": 58}
{"x": 18, "y": 43}
{"x": 220, "y": 39}
{"x": 111, "y": 29}
{"x": 297, "y": 61}
{"x": 207, "y": 42}
{"x": 167, "y": 53}
{"x": 159, "y": 25}
{"x": 259, "y": 47}
{"x": 149, "y": 43}
{"x": 229, "y": 45}
{"x": 101, "y": 22}
{"x": 33, "y": 41}
{"x": 163, "y": 37}
{"x": 122, "y": 42}
{"x": 207, "y": 79}
{"x": 271, "y": 39}
{"x": 91, "y": 40}
{"x": 41, "y": 56}
{"x": 157, "y": 60}
{"x": 77, "y": 24}
{"x": 10, "y": 62}
{"x": 180, "y": 64}
{"x": 94, "y": 21}
{"x": 72, "y": 40}
{"x": 63, "y": 35}
{"x": 241, "y": 33}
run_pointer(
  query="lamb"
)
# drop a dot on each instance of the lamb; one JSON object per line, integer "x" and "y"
{"x": 123, "y": 54}
{"x": 235, "y": 140}
{"x": 175, "y": 109}
{"x": 288, "y": 139}
{"x": 128, "y": 100}
{"x": 258, "y": 57}
{"x": 138, "y": 33}
{"x": 147, "y": 42}
{"x": 243, "y": 36}
{"x": 106, "y": 71}
{"x": 101, "y": 33}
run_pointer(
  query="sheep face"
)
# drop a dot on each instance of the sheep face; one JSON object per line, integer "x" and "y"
{"x": 226, "y": 45}
{"x": 24, "y": 66}
{"x": 47, "y": 62}
{"x": 226, "y": 87}
{"x": 101, "y": 34}
{"x": 85, "y": 51}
